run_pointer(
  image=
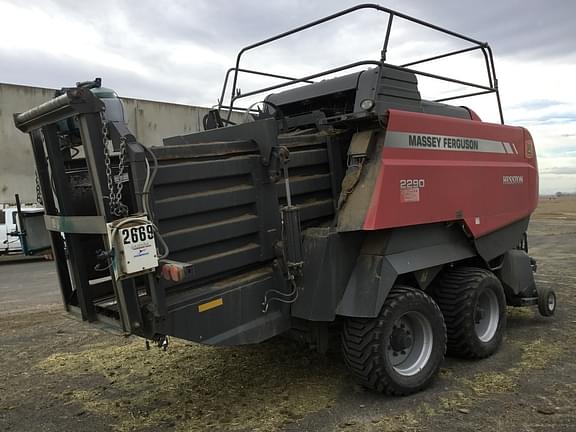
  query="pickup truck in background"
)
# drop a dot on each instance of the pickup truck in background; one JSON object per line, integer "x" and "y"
{"x": 34, "y": 231}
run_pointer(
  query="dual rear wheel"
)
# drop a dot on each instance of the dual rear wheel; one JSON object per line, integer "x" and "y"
{"x": 473, "y": 303}
{"x": 400, "y": 351}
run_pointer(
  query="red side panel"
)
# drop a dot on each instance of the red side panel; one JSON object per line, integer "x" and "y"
{"x": 437, "y": 168}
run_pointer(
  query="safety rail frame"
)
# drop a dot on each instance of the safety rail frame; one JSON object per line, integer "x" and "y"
{"x": 492, "y": 86}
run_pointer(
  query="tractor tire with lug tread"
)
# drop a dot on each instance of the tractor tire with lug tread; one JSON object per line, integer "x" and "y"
{"x": 474, "y": 306}
{"x": 400, "y": 351}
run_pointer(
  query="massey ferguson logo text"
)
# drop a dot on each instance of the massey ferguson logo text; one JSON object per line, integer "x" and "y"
{"x": 512, "y": 180}
{"x": 429, "y": 141}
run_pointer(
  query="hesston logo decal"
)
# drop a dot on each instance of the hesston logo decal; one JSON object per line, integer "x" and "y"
{"x": 440, "y": 141}
{"x": 512, "y": 180}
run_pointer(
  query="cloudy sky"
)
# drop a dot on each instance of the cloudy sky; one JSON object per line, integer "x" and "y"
{"x": 179, "y": 51}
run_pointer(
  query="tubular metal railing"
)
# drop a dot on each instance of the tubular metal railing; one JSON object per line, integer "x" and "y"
{"x": 492, "y": 86}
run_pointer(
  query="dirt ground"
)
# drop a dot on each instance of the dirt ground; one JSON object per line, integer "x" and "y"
{"x": 58, "y": 374}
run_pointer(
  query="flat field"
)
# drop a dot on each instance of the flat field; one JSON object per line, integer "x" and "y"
{"x": 58, "y": 374}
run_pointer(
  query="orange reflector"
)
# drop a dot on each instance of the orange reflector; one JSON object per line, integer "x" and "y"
{"x": 166, "y": 271}
{"x": 529, "y": 148}
{"x": 172, "y": 272}
{"x": 528, "y": 145}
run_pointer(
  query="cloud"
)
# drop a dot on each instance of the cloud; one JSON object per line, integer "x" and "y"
{"x": 531, "y": 104}
{"x": 179, "y": 51}
{"x": 565, "y": 170}
{"x": 523, "y": 29}
{"x": 552, "y": 118}
{"x": 182, "y": 43}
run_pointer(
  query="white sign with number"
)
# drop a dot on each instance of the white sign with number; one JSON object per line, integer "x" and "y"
{"x": 134, "y": 247}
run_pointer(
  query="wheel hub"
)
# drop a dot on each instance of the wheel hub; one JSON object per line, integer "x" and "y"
{"x": 480, "y": 315}
{"x": 400, "y": 339}
{"x": 486, "y": 315}
{"x": 551, "y": 302}
{"x": 410, "y": 343}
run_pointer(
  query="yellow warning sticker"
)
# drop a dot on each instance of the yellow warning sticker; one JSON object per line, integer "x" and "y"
{"x": 210, "y": 305}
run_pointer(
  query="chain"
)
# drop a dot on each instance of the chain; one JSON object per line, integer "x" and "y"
{"x": 123, "y": 209}
{"x": 38, "y": 192}
{"x": 107, "y": 162}
{"x": 117, "y": 208}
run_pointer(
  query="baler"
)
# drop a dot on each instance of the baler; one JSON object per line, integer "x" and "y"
{"x": 348, "y": 205}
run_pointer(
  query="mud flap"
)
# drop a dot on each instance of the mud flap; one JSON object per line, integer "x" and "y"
{"x": 516, "y": 275}
{"x": 421, "y": 250}
{"x": 369, "y": 284}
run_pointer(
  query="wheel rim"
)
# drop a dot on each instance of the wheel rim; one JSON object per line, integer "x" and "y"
{"x": 486, "y": 315}
{"x": 410, "y": 344}
{"x": 551, "y": 301}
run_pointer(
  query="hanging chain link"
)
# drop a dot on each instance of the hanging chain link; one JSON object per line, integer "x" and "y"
{"x": 38, "y": 192}
{"x": 120, "y": 206}
{"x": 117, "y": 207}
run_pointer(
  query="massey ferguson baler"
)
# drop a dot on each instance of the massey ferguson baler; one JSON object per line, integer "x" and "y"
{"x": 347, "y": 204}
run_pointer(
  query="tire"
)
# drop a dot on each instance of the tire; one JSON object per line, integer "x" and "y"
{"x": 546, "y": 302}
{"x": 400, "y": 351}
{"x": 473, "y": 303}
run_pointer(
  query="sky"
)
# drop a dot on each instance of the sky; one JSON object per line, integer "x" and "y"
{"x": 178, "y": 51}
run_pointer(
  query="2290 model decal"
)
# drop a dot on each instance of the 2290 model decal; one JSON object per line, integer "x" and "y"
{"x": 412, "y": 183}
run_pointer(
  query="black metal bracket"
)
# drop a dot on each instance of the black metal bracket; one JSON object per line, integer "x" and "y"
{"x": 74, "y": 101}
{"x": 212, "y": 120}
{"x": 279, "y": 159}
{"x": 263, "y": 132}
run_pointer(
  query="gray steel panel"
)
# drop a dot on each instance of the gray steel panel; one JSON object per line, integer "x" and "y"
{"x": 199, "y": 235}
{"x": 205, "y": 150}
{"x": 239, "y": 319}
{"x": 221, "y": 262}
{"x": 308, "y": 157}
{"x": 200, "y": 202}
{"x": 217, "y": 213}
{"x": 208, "y": 186}
{"x": 303, "y": 185}
{"x": 204, "y": 170}
{"x": 189, "y": 221}
{"x": 329, "y": 258}
{"x": 498, "y": 242}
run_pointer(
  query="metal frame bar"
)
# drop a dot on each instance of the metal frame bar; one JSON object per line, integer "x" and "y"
{"x": 40, "y": 122}
{"x": 309, "y": 77}
{"x": 441, "y": 78}
{"x": 482, "y": 46}
{"x": 253, "y": 72}
{"x": 92, "y": 141}
{"x": 387, "y": 38}
{"x": 75, "y": 224}
{"x": 50, "y": 207}
{"x": 440, "y": 56}
{"x": 463, "y": 96}
{"x": 63, "y": 193}
{"x": 20, "y": 229}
